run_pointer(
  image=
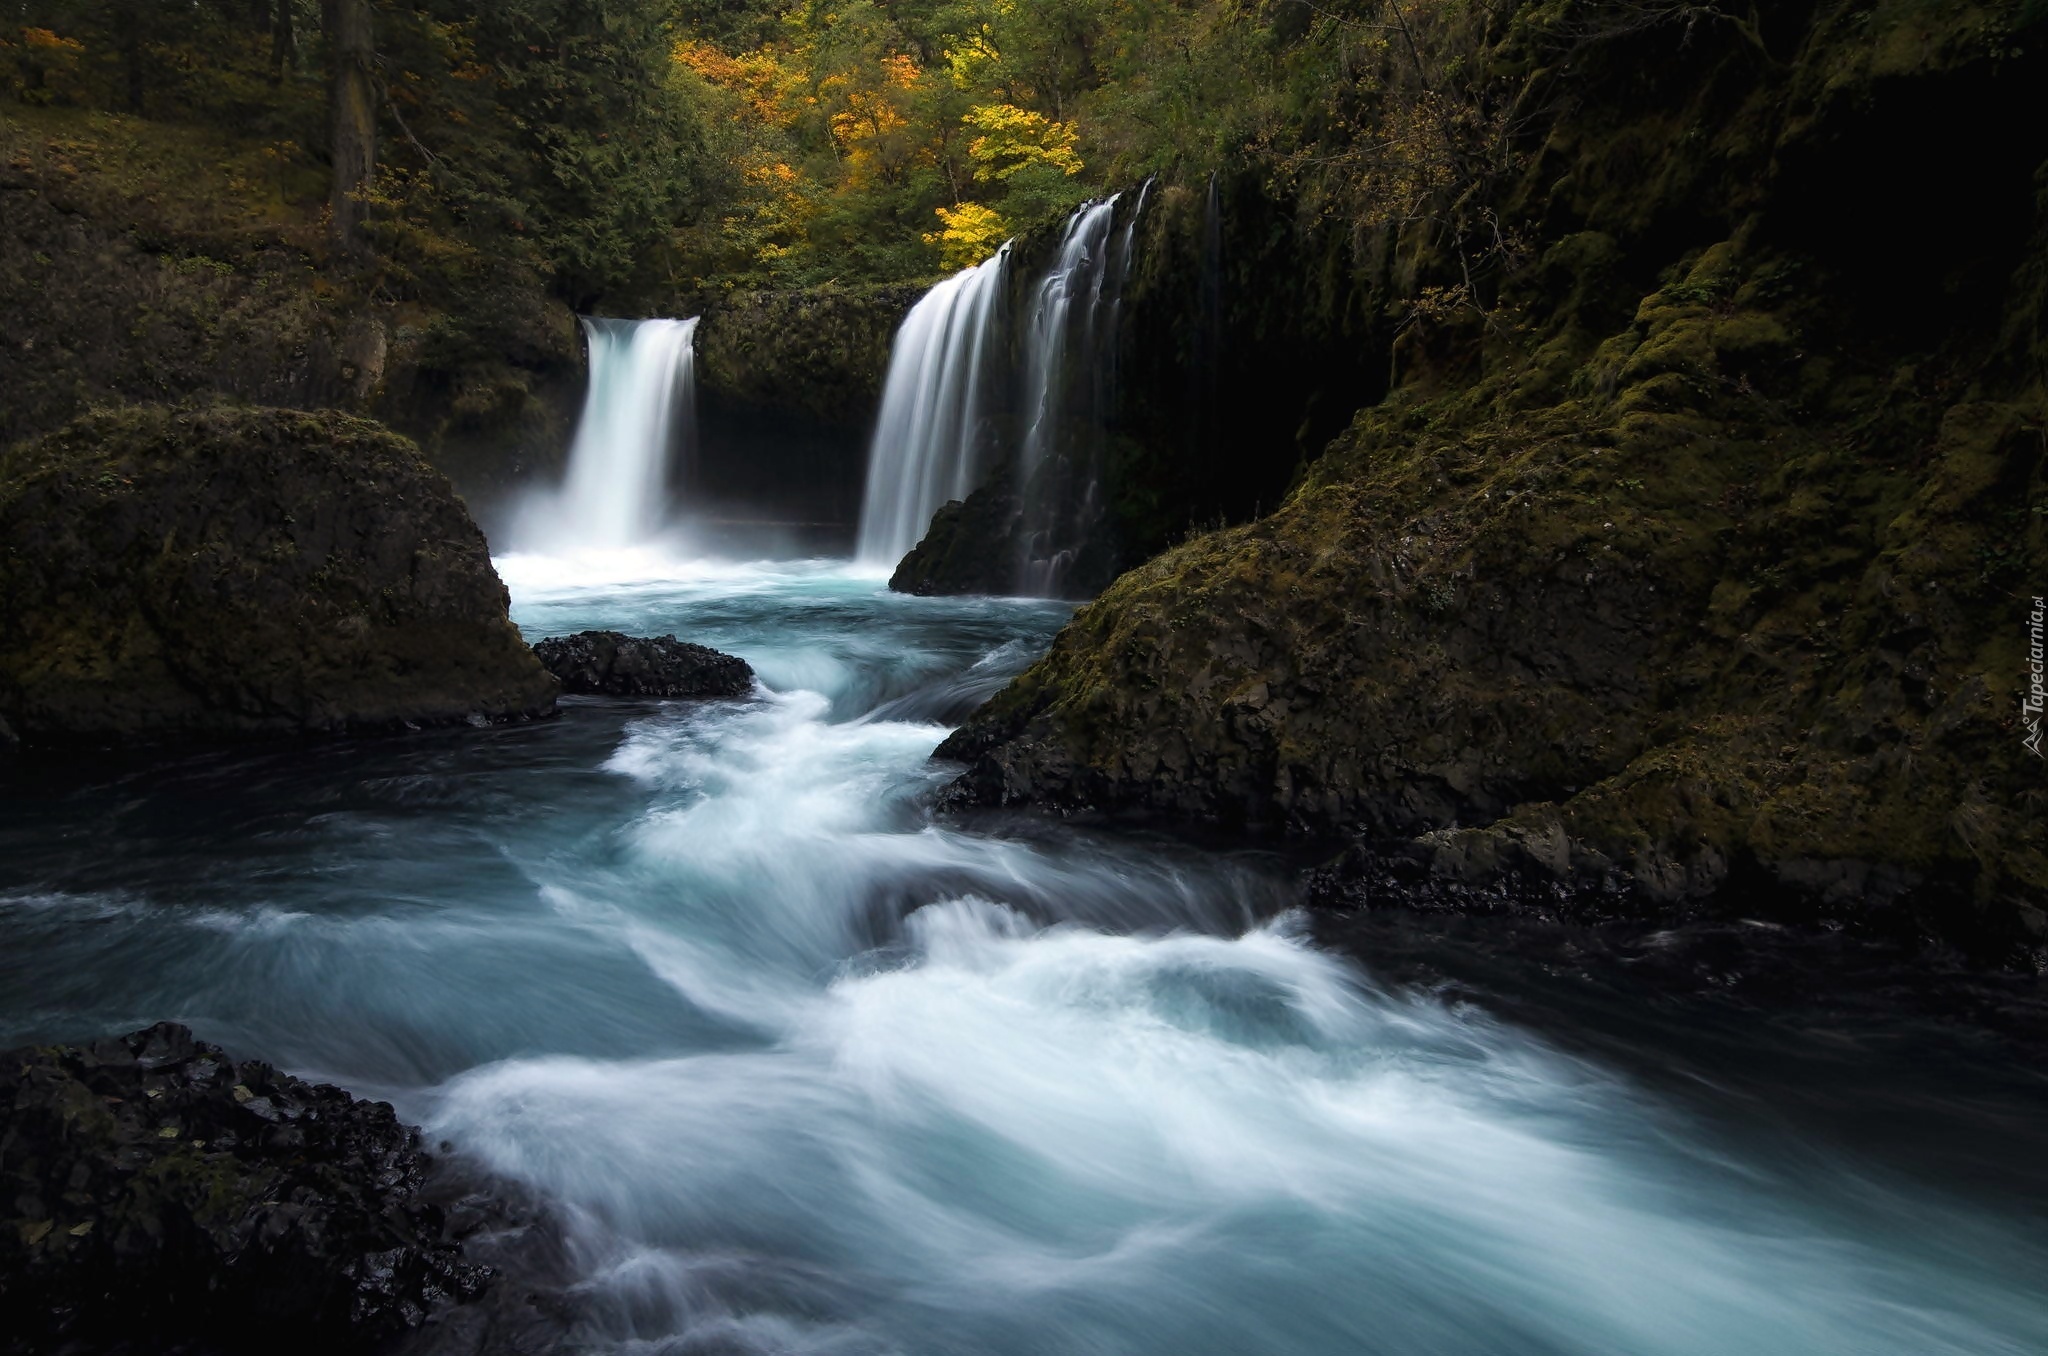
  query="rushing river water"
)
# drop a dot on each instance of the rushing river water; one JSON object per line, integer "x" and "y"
{"x": 804, "y": 1071}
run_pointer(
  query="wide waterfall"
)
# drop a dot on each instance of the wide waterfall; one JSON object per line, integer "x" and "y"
{"x": 641, "y": 405}
{"x": 929, "y": 443}
{"x": 1069, "y": 356}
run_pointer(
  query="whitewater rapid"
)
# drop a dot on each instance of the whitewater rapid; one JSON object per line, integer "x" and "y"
{"x": 805, "y": 1069}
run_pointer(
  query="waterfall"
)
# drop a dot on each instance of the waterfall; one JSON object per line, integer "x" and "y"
{"x": 641, "y": 402}
{"x": 1069, "y": 354}
{"x": 1205, "y": 372}
{"x": 928, "y": 441}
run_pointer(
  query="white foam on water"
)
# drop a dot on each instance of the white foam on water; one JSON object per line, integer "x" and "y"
{"x": 1065, "y": 1104}
{"x": 1113, "y": 1132}
{"x": 805, "y": 1069}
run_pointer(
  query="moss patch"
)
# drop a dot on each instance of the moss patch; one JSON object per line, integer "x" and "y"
{"x": 1714, "y": 588}
{"x": 220, "y": 571}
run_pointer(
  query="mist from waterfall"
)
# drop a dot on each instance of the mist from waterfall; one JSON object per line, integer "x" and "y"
{"x": 930, "y": 441}
{"x": 1069, "y": 358}
{"x": 639, "y": 414}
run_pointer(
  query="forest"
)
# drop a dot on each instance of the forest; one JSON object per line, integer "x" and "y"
{"x": 615, "y": 145}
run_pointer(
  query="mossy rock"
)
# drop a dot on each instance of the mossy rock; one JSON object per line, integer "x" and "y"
{"x": 1699, "y": 580}
{"x": 183, "y": 574}
{"x": 821, "y": 352}
{"x": 1548, "y": 632}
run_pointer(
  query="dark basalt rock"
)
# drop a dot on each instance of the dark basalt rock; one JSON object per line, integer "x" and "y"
{"x": 1704, "y": 596}
{"x": 980, "y": 544}
{"x": 820, "y": 351}
{"x": 608, "y": 663}
{"x": 201, "y": 574}
{"x": 970, "y": 547}
{"x": 155, "y": 1193}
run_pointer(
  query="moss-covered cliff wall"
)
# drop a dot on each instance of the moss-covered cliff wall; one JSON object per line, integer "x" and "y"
{"x": 143, "y": 261}
{"x": 788, "y": 384}
{"x": 818, "y": 353}
{"x": 1696, "y": 567}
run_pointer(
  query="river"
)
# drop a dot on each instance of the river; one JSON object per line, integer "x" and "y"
{"x": 803, "y": 1069}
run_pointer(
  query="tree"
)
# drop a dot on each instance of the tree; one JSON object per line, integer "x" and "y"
{"x": 132, "y": 68}
{"x": 284, "y": 40}
{"x": 352, "y": 120}
{"x": 585, "y": 143}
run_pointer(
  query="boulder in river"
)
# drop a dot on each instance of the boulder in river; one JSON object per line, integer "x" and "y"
{"x": 153, "y": 1190}
{"x": 180, "y": 574}
{"x": 608, "y": 663}
{"x": 970, "y": 547}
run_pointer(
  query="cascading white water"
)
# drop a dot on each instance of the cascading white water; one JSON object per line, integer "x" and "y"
{"x": 927, "y": 446}
{"x": 641, "y": 404}
{"x": 1058, "y": 335}
{"x": 795, "y": 1068}
{"x": 1077, "y": 271}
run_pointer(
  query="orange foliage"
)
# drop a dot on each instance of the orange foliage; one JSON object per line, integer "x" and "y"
{"x": 48, "y": 41}
{"x": 772, "y": 91}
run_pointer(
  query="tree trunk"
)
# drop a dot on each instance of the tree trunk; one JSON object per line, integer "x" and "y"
{"x": 284, "y": 40}
{"x": 352, "y": 113}
{"x": 132, "y": 67}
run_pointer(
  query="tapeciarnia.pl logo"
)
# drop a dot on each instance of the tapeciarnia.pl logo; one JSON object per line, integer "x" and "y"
{"x": 2036, "y": 698}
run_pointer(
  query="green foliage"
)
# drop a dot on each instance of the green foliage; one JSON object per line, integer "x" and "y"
{"x": 624, "y": 147}
{"x": 230, "y": 63}
{"x": 551, "y": 135}
{"x": 560, "y": 123}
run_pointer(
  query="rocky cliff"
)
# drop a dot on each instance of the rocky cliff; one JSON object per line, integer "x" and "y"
{"x": 145, "y": 261}
{"x": 1229, "y": 347}
{"x": 788, "y": 382}
{"x": 820, "y": 353}
{"x": 1694, "y": 568}
{"x": 224, "y": 572}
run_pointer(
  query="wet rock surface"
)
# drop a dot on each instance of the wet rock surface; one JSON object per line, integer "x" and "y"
{"x": 1706, "y": 593}
{"x": 188, "y": 575}
{"x": 157, "y": 1194}
{"x": 819, "y": 351}
{"x": 970, "y": 547}
{"x": 612, "y": 664}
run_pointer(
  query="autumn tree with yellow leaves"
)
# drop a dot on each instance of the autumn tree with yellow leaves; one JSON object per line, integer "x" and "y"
{"x": 880, "y": 140}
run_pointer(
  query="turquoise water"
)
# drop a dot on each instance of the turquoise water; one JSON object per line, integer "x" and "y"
{"x": 807, "y": 1071}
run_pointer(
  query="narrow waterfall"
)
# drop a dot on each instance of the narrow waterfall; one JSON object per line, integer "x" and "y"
{"x": 1069, "y": 347}
{"x": 1123, "y": 257}
{"x": 1205, "y": 372}
{"x": 929, "y": 443}
{"x": 641, "y": 404}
